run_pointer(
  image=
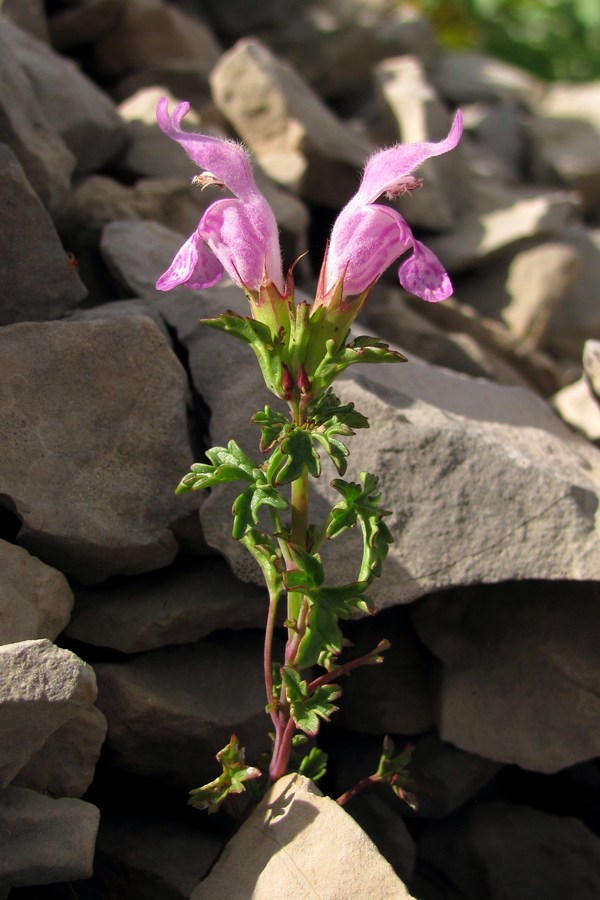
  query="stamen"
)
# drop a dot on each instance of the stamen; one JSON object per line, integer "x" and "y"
{"x": 405, "y": 185}
{"x": 204, "y": 179}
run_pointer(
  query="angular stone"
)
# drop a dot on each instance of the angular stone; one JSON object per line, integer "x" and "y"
{"x": 578, "y": 407}
{"x": 161, "y": 42}
{"x": 566, "y": 138}
{"x": 38, "y": 281}
{"x": 41, "y": 688}
{"x": 177, "y": 605}
{"x": 83, "y": 23}
{"x": 35, "y": 599}
{"x": 393, "y": 698}
{"x": 43, "y": 840}
{"x": 499, "y": 850}
{"x": 445, "y": 777}
{"x": 576, "y": 321}
{"x": 523, "y": 655}
{"x": 486, "y": 484}
{"x": 44, "y": 156}
{"x": 83, "y": 115}
{"x": 421, "y": 116}
{"x": 591, "y": 366}
{"x": 94, "y": 428}
{"x": 144, "y": 857}
{"x": 30, "y": 15}
{"x": 462, "y": 78}
{"x": 65, "y": 764}
{"x": 295, "y": 138}
{"x": 170, "y": 711}
{"x": 507, "y": 218}
{"x": 298, "y": 843}
{"x": 385, "y": 826}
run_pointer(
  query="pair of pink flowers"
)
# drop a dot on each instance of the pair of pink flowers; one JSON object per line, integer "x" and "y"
{"x": 238, "y": 234}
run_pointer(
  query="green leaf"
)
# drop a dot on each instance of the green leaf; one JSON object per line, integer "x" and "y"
{"x": 336, "y": 451}
{"x": 323, "y": 638}
{"x": 393, "y": 770}
{"x": 298, "y": 451}
{"x": 258, "y": 335}
{"x": 231, "y": 781}
{"x": 361, "y": 350}
{"x": 360, "y": 504}
{"x": 314, "y": 764}
{"x": 307, "y": 574}
{"x": 227, "y": 464}
{"x": 268, "y": 557}
{"x": 247, "y": 505}
{"x": 306, "y": 711}
{"x": 328, "y": 406}
{"x": 272, "y": 423}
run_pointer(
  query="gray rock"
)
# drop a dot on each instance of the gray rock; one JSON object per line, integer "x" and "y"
{"x": 43, "y": 841}
{"x": 83, "y": 23}
{"x": 421, "y": 116}
{"x": 326, "y": 853}
{"x": 83, "y": 115}
{"x": 42, "y": 687}
{"x": 65, "y": 764}
{"x": 486, "y": 484}
{"x": 578, "y": 407}
{"x": 508, "y": 216}
{"x": 462, "y": 77}
{"x": 392, "y": 698}
{"x": 566, "y": 139}
{"x": 591, "y": 366}
{"x": 445, "y": 777}
{"x": 523, "y": 655}
{"x": 149, "y": 858}
{"x": 30, "y": 15}
{"x": 38, "y": 281}
{"x": 160, "y": 43}
{"x": 173, "y": 606}
{"x": 99, "y": 442}
{"x": 297, "y": 141}
{"x": 385, "y": 826}
{"x": 35, "y": 599}
{"x": 44, "y": 156}
{"x": 500, "y": 850}
{"x": 136, "y": 253}
{"x": 577, "y": 320}
{"x": 169, "y": 711}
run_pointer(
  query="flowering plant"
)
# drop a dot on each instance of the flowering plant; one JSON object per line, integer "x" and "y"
{"x": 301, "y": 348}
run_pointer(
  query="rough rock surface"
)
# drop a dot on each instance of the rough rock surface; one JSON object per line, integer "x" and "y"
{"x": 63, "y": 383}
{"x": 172, "y": 606}
{"x": 296, "y": 139}
{"x": 169, "y": 711}
{"x": 41, "y": 688}
{"x": 500, "y": 850}
{"x": 294, "y": 817}
{"x": 520, "y": 676}
{"x": 65, "y": 764}
{"x": 51, "y": 287}
{"x": 148, "y": 857}
{"x": 35, "y": 599}
{"x": 43, "y": 840}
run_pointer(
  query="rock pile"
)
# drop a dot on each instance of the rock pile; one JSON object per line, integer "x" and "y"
{"x": 129, "y": 619}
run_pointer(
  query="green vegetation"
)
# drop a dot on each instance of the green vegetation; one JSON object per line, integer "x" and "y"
{"x": 554, "y": 39}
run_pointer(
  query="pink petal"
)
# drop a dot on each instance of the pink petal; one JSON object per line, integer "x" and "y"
{"x": 244, "y": 238}
{"x": 226, "y": 160}
{"x": 423, "y": 275}
{"x": 389, "y": 167}
{"x": 365, "y": 240}
{"x": 194, "y": 267}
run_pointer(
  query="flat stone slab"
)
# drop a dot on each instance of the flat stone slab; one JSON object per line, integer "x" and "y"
{"x": 95, "y": 436}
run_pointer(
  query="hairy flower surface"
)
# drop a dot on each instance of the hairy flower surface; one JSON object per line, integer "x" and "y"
{"x": 367, "y": 237}
{"x": 237, "y": 234}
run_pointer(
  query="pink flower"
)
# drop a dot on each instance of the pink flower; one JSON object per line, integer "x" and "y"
{"x": 237, "y": 234}
{"x": 367, "y": 237}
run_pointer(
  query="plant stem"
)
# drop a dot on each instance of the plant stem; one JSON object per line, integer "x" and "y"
{"x": 358, "y": 787}
{"x": 267, "y": 656}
